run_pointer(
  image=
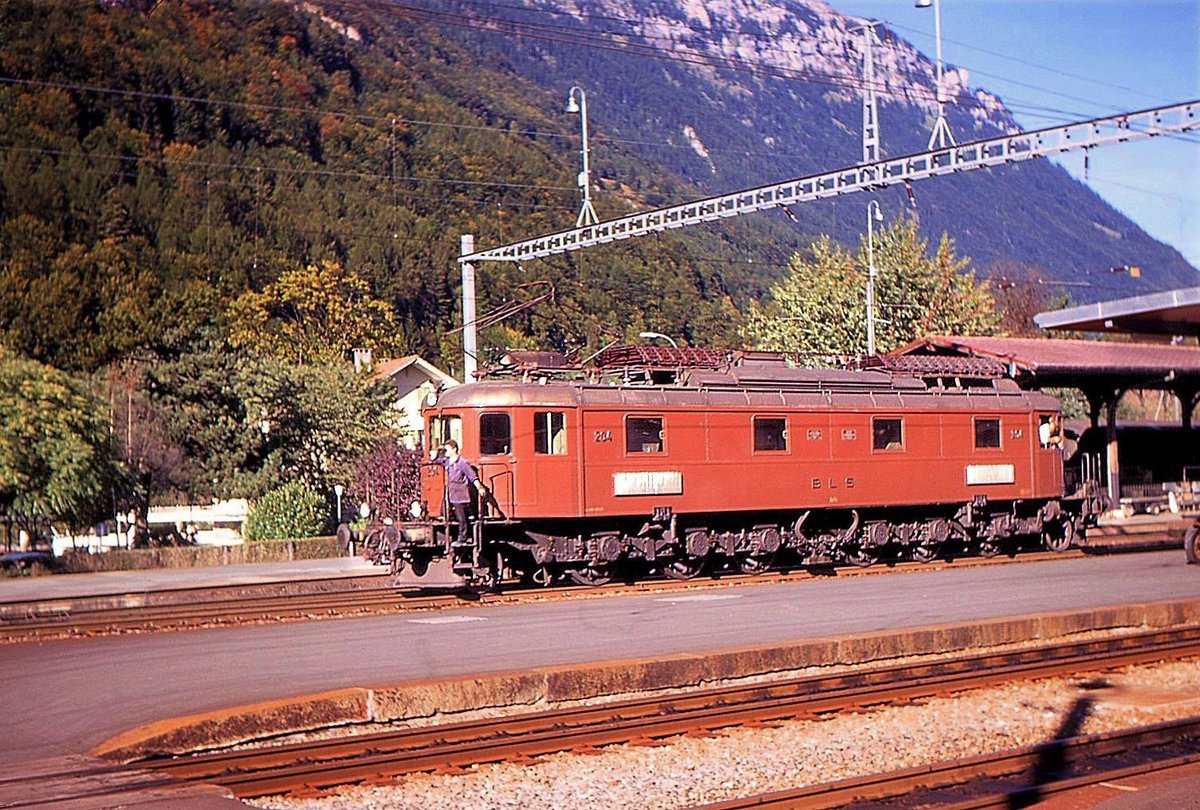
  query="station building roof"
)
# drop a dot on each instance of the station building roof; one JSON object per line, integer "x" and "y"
{"x": 1170, "y": 312}
{"x": 1039, "y": 363}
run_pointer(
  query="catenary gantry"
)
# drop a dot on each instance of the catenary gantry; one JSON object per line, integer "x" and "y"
{"x": 1009, "y": 148}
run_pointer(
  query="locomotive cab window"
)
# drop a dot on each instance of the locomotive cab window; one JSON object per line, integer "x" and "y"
{"x": 987, "y": 434}
{"x": 770, "y": 434}
{"x": 1050, "y": 432}
{"x": 887, "y": 434}
{"x": 550, "y": 433}
{"x": 644, "y": 434}
{"x": 444, "y": 428}
{"x": 495, "y": 434}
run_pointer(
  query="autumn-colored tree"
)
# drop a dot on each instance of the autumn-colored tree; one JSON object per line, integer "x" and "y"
{"x": 819, "y": 308}
{"x": 319, "y": 313}
{"x": 1021, "y": 292}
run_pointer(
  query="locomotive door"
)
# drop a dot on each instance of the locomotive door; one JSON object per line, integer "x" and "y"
{"x": 553, "y": 475}
{"x": 442, "y": 428}
{"x": 496, "y": 460}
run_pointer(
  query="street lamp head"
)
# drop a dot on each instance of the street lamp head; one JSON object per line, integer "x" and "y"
{"x": 659, "y": 335}
{"x": 572, "y": 104}
{"x": 876, "y": 211}
{"x": 923, "y": 3}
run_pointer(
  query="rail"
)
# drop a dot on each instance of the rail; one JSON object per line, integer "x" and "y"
{"x": 328, "y": 763}
{"x": 346, "y": 597}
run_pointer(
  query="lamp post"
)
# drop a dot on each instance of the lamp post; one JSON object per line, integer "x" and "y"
{"x": 874, "y": 214}
{"x": 587, "y": 214}
{"x": 941, "y": 130}
{"x": 659, "y": 335}
{"x": 338, "y": 490}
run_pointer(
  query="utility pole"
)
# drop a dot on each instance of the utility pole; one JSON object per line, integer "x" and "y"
{"x": 470, "y": 349}
{"x": 874, "y": 214}
{"x": 870, "y": 123}
{"x": 940, "y": 136}
{"x": 587, "y": 214}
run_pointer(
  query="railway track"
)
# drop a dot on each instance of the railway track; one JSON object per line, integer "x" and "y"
{"x": 1018, "y": 777}
{"x": 358, "y": 596}
{"x": 318, "y": 765}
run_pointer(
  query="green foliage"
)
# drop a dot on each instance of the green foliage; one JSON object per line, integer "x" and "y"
{"x": 56, "y": 461}
{"x": 290, "y": 511}
{"x": 248, "y": 423}
{"x": 819, "y": 308}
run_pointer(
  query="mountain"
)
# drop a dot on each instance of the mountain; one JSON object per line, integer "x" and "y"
{"x": 159, "y": 159}
{"x": 737, "y": 93}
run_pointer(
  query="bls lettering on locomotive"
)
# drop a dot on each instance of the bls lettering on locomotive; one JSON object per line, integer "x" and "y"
{"x": 833, "y": 483}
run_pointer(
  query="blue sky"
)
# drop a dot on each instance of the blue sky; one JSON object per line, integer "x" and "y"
{"x": 1052, "y": 61}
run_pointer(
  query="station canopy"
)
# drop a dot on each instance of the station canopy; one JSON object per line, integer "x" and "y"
{"x": 1170, "y": 312}
{"x": 1083, "y": 364}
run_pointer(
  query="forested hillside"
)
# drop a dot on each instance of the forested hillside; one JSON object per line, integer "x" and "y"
{"x": 156, "y": 164}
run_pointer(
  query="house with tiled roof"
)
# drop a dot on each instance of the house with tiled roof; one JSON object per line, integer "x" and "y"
{"x": 414, "y": 379}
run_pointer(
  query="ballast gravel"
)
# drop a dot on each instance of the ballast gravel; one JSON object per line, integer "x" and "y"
{"x": 688, "y": 771}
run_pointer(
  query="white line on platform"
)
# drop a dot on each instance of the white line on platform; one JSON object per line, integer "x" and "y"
{"x": 701, "y": 597}
{"x": 447, "y": 620}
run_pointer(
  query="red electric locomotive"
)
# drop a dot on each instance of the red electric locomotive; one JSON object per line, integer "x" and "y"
{"x": 731, "y": 467}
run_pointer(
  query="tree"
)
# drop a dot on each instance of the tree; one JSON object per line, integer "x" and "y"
{"x": 154, "y": 462}
{"x": 319, "y": 419}
{"x": 1021, "y": 293}
{"x": 249, "y": 423}
{"x": 319, "y": 313}
{"x": 56, "y": 457}
{"x": 819, "y": 308}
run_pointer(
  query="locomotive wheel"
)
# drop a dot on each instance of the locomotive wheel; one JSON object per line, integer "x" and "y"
{"x": 540, "y": 577}
{"x": 594, "y": 577}
{"x": 684, "y": 569}
{"x": 924, "y": 553}
{"x": 862, "y": 557}
{"x": 1191, "y": 544}
{"x": 756, "y": 565}
{"x": 1058, "y": 537}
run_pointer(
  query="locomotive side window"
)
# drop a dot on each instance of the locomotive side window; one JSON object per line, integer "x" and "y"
{"x": 495, "y": 434}
{"x": 770, "y": 433}
{"x": 987, "y": 434}
{"x": 644, "y": 434}
{"x": 887, "y": 434}
{"x": 444, "y": 428}
{"x": 550, "y": 433}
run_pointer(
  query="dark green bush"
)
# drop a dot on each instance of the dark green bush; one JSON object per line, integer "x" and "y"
{"x": 290, "y": 511}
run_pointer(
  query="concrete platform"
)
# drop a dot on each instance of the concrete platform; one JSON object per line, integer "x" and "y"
{"x": 447, "y": 699}
{"x": 104, "y": 583}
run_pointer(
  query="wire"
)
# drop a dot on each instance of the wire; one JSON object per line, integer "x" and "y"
{"x": 284, "y": 170}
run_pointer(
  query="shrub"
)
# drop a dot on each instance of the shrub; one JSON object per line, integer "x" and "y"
{"x": 292, "y": 510}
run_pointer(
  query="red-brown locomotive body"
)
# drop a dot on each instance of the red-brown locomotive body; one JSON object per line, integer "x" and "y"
{"x": 731, "y": 468}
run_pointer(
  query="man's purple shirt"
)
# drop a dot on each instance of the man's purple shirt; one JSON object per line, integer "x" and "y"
{"x": 459, "y": 477}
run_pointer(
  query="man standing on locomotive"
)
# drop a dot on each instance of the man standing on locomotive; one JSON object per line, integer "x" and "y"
{"x": 459, "y": 478}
